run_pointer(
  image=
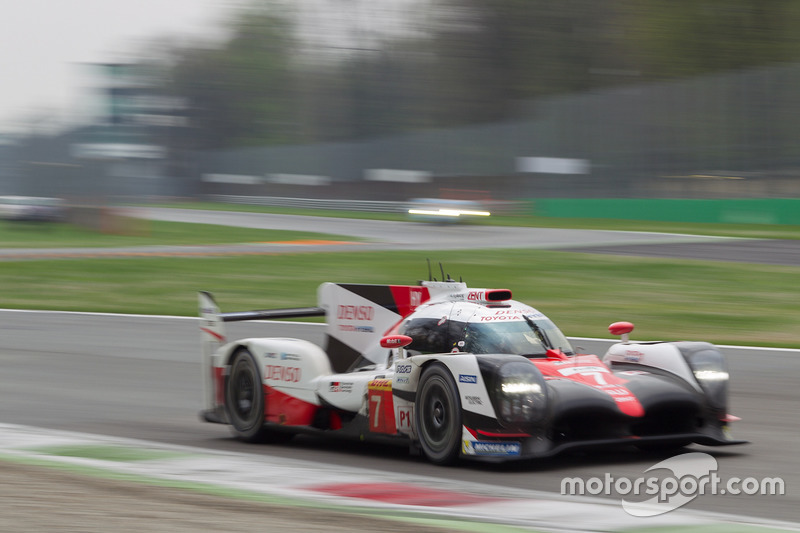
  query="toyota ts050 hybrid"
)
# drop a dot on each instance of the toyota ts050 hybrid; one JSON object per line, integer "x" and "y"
{"x": 458, "y": 372}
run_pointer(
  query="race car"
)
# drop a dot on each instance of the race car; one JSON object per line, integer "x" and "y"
{"x": 457, "y": 372}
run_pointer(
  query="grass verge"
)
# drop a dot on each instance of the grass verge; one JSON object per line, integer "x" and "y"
{"x": 725, "y": 303}
{"x": 137, "y": 232}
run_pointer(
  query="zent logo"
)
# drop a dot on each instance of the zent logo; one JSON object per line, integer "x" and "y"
{"x": 414, "y": 298}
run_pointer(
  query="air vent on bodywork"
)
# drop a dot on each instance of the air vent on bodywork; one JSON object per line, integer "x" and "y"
{"x": 498, "y": 295}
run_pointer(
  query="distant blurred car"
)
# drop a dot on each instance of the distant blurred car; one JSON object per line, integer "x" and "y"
{"x": 31, "y": 208}
{"x": 443, "y": 211}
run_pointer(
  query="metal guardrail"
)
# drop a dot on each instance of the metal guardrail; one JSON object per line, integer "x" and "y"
{"x": 346, "y": 205}
{"x": 314, "y": 203}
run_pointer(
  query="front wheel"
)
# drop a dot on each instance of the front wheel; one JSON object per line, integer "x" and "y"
{"x": 244, "y": 401}
{"x": 438, "y": 420}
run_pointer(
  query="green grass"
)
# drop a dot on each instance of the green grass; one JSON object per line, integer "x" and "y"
{"x": 753, "y": 231}
{"x": 136, "y": 232}
{"x": 726, "y": 303}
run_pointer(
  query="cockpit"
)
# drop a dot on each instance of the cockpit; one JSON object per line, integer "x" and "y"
{"x": 528, "y": 337}
{"x": 466, "y": 327}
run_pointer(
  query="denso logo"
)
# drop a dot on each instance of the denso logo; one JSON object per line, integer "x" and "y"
{"x": 289, "y": 374}
{"x": 356, "y": 312}
{"x": 475, "y": 296}
{"x": 403, "y": 369}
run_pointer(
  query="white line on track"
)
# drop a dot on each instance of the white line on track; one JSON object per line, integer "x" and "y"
{"x": 787, "y": 351}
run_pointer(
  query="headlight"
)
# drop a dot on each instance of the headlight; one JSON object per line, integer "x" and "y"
{"x": 711, "y": 375}
{"x": 710, "y": 370}
{"x": 521, "y": 396}
{"x": 521, "y": 388}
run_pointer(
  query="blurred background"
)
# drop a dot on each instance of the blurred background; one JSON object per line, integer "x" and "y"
{"x": 398, "y": 99}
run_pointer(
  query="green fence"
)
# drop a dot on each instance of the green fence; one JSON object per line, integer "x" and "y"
{"x": 744, "y": 211}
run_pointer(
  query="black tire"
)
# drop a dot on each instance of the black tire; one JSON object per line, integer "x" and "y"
{"x": 244, "y": 401}
{"x": 438, "y": 415}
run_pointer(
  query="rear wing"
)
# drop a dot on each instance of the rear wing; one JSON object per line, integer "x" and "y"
{"x": 269, "y": 314}
{"x": 212, "y": 331}
{"x": 212, "y": 319}
{"x": 356, "y": 316}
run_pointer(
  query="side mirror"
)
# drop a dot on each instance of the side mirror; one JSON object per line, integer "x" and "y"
{"x": 621, "y": 328}
{"x": 396, "y": 341}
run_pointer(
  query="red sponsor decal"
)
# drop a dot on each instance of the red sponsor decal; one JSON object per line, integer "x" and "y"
{"x": 356, "y": 312}
{"x": 500, "y": 317}
{"x": 408, "y": 297}
{"x": 289, "y": 374}
{"x": 589, "y": 370}
{"x": 475, "y": 296}
{"x": 381, "y": 407}
{"x": 395, "y": 340}
{"x": 405, "y": 417}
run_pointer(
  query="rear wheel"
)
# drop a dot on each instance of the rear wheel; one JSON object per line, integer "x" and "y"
{"x": 244, "y": 401}
{"x": 438, "y": 419}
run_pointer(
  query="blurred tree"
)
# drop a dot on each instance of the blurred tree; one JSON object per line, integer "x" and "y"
{"x": 677, "y": 38}
{"x": 493, "y": 54}
{"x": 242, "y": 93}
{"x": 458, "y": 62}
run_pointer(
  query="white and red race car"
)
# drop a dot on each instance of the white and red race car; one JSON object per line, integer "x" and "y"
{"x": 458, "y": 372}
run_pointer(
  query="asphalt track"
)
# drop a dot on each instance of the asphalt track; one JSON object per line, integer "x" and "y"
{"x": 761, "y": 251}
{"x": 389, "y": 235}
{"x": 139, "y": 377}
{"x": 368, "y": 235}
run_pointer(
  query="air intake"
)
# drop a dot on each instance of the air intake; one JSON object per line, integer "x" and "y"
{"x": 498, "y": 295}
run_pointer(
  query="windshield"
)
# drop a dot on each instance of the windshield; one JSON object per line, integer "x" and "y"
{"x": 531, "y": 337}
